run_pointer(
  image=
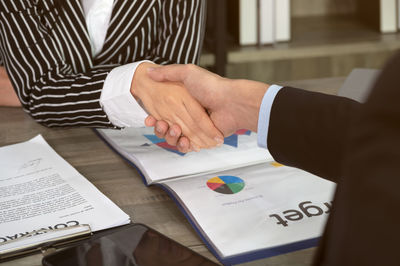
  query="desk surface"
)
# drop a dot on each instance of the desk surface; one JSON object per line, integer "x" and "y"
{"x": 121, "y": 183}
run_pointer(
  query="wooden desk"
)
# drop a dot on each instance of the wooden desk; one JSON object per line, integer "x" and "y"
{"x": 121, "y": 183}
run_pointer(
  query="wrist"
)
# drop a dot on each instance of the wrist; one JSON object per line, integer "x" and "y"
{"x": 138, "y": 80}
{"x": 247, "y": 98}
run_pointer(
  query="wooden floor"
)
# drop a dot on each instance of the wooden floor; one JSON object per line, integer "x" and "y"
{"x": 320, "y": 47}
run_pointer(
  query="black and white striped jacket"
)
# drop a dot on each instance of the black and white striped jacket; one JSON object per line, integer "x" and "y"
{"x": 46, "y": 51}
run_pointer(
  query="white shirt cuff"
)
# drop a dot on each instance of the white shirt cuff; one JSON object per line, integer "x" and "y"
{"x": 117, "y": 100}
{"x": 264, "y": 115}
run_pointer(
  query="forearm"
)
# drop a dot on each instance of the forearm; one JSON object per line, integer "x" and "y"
{"x": 307, "y": 130}
{"x": 56, "y": 91}
{"x": 246, "y": 96}
{"x": 66, "y": 100}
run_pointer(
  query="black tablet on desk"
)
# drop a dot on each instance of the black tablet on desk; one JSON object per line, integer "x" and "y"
{"x": 134, "y": 244}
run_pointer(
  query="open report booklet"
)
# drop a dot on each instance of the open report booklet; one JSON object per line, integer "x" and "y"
{"x": 43, "y": 199}
{"x": 241, "y": 202}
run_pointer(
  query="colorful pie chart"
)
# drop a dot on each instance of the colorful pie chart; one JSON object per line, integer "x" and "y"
{"x": 226, "y": 184}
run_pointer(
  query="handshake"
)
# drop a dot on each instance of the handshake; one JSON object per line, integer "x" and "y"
{"x": 195, "y": 109}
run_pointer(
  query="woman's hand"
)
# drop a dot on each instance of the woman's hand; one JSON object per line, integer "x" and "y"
{"x": 172, "y": 103}
{"x": 8, "y": 97}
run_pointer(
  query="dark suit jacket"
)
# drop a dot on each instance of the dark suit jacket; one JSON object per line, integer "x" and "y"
{"x": 46, "y": 50}
{"x": 358, "y": 147}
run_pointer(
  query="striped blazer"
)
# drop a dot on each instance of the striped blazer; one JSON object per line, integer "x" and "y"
{"x": 46, "y": 50}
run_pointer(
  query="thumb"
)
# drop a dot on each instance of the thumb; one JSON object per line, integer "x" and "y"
{"x": 175, "y": 73}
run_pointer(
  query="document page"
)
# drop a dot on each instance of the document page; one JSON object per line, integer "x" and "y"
{"x": 40, "y": 190}
{"x": 157, "y": 160}
{"x": 256, "y": 207}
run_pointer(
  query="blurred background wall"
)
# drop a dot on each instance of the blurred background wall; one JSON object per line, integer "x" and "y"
{"x": 303, "y": 8}
{"x": 328, "y": 38}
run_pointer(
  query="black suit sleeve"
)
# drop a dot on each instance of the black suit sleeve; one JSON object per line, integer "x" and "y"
{"x": 363, "y": 228}
{"x": 307, "y": 130}
{"x": 357, "y": 145}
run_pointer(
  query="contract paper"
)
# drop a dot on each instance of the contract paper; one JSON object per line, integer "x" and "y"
{"x": 40, "y": 190}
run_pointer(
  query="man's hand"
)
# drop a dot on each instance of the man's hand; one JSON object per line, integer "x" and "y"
{"x": 231, "y": 104}
{"x": 172, "y": 103}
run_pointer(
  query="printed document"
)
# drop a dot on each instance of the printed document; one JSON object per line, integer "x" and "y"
{"x": 40, "y": 190}
{"x": 243, "y": 204}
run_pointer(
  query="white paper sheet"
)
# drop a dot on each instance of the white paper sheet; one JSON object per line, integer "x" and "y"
{"x": 39, "y": 189}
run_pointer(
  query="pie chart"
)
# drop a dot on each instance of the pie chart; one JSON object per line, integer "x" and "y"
{"x": 226, "y": 184}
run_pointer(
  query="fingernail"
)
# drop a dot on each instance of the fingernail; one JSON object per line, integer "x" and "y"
{"x": 219, "y": 140}
{"x": 172, "y": 133}
{"x": 150, "y": 69}
{"x": 159, "y": 129}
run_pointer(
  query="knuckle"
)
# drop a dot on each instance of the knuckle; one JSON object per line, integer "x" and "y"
{"x": 190, "y": 67}
{"x": 170, "y": 100}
